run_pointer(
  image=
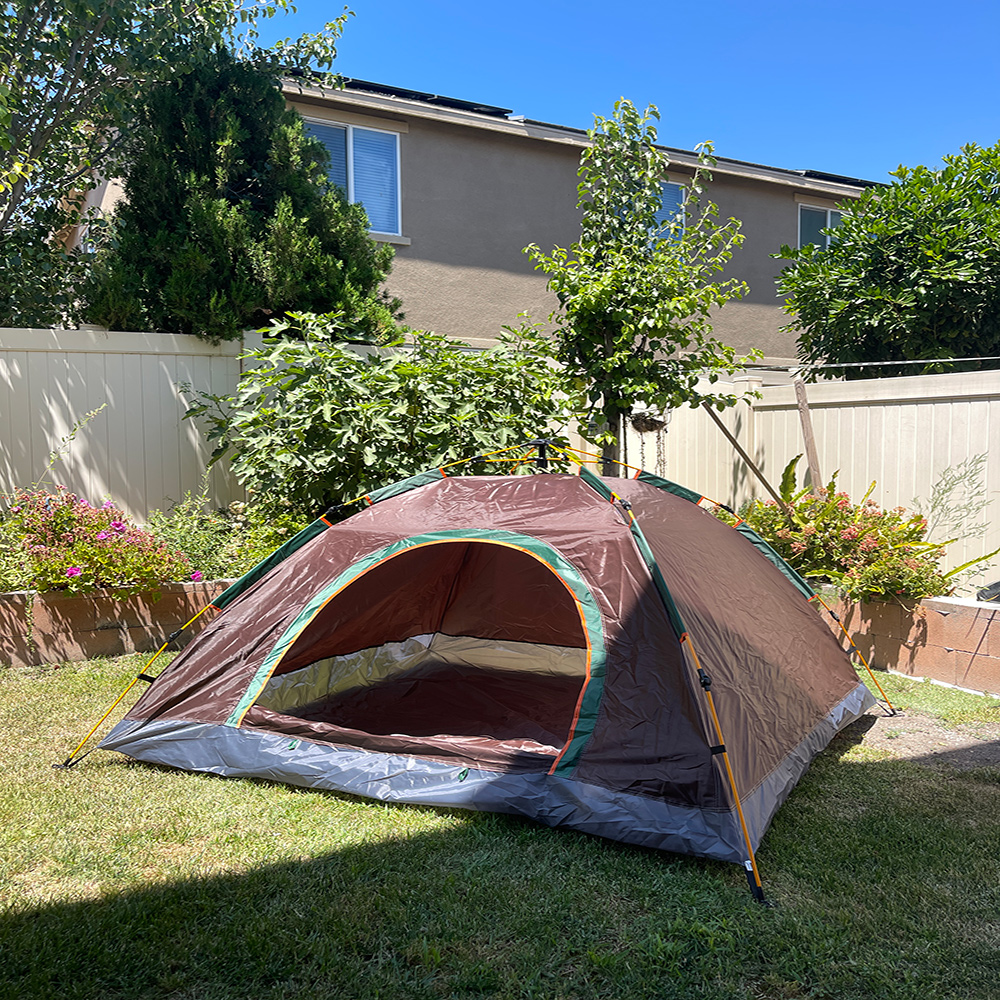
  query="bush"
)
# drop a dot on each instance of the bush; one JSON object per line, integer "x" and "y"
{"x": 63, "y": 543}
{"x": 227, "y": 542}
{"x": 864, "y": 550}
{"x": 318, "y": 422}
{"x": 229, "y": 218}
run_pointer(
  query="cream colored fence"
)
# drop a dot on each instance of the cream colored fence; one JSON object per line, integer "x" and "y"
{"x": 138, "y": 449}
{"x": 901, "y": 433}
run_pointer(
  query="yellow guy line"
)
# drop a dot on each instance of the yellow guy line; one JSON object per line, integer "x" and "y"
{"x": 68, "y": 762}
{"x": 836, "y": 618}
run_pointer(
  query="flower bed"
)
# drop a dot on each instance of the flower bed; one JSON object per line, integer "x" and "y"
{"x": 949, "y": 639}
{"x": 58, "y": 627}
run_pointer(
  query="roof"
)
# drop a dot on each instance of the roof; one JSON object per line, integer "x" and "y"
{"x": 354, "y": 85}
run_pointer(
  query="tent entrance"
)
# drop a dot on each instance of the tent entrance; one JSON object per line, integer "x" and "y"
{"x": 465, "y": 647}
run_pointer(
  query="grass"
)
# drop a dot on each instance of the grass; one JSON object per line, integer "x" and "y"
{"x": 952, "y": 705}
{"x": 121, "y": 880}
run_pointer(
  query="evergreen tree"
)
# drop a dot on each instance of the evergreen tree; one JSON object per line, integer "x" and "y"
{"x": 229, "y": 219}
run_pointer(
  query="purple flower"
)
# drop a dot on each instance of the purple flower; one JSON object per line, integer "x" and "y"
{"x": 108, "y": 505}
{"x": 118, "y": 526}
{"x": 84, "y": 503}
{"x": 101, "y": 535}
{"x": 74, "y": 571}
{"x": 197, "y": 576}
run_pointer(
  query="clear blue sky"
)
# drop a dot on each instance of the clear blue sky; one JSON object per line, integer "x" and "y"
{"x": 848, "y": 87}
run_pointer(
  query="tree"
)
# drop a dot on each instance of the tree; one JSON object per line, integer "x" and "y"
{"x": 229, "y": 218}
{"x": 911, "y": 273}
{"x": 635, "y": 293}
{"x": 317, "y": 422}
{"x": 69, "y": 68}
{"x": 68, "y": 73}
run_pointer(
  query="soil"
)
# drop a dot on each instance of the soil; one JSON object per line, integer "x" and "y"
{"x": 925, "y": 739}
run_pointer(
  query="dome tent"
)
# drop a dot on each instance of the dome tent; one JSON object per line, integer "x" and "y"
{"x": 519, "y": 644}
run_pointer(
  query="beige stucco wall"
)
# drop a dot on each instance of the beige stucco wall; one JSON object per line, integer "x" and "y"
{"x": 476, "y": 192}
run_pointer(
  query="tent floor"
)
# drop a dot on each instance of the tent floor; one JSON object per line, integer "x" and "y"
{"x": 447, "y": 699}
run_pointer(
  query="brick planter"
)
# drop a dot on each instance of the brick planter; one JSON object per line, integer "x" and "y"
{"x": 55, "y": 628}
{"x": 955, "y": 640}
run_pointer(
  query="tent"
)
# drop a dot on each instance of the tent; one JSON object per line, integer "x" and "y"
{"x": 600, "y": 654}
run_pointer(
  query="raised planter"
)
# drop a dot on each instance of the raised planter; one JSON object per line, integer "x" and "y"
{"x": 55, "y": 628}
{"x": 949, "y": 639}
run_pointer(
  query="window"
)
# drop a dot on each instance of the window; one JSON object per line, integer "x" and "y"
{"x": 673, "y": 204}
{"x": 364, "y": 164}
{"x": 812, "y": 220}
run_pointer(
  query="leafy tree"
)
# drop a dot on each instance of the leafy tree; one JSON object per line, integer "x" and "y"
{"x": 68, "y": 74}
{"x": 318, "y": 422}
{"x": 229, "y": 217}
{"x": 913, "y": 273}
{"x": 635, "y": 292}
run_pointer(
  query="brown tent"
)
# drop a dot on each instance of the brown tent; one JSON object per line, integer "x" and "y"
{"x": 532, "y": 644}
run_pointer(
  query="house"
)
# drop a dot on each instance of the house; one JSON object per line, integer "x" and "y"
{"x": 460, "y": 188}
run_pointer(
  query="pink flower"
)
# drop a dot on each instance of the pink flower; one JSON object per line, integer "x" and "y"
{"x": 118, "y": 526}
{"x": 83, "y": 503}
{"x": 74, "y": 571}
{"x": 197, "y": 576}
{"x": 108, "y": 505}
{"x": 101, "y": 535}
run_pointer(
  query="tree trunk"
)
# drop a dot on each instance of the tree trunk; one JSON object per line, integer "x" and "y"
{"x": 611, "y": 450}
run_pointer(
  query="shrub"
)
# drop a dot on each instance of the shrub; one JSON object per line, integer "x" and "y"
{"x": 318, "y": 422}
{"x": 229, "y": 217}
{"x": 864, "y": 550}
{"x": 225, "y": 542}
{"x": 67, "y": 544}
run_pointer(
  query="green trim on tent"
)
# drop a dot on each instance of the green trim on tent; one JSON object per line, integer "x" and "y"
{"x": 602, "y": 489}
{"x": 405, "y": 485}
{"x": 665, "y": 484}
{"x": 245, "y": 582}
{"x": 661, "y": 585}
{"x": 309, "y": 532}
{"x": 597, "y": 484}
{"x": 590, "y": 614}
{"x": 743, "y": 528}
{"x": 769, "y": 553}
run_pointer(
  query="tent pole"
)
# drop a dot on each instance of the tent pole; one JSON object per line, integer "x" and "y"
{"x": 141, "y": 676}
{"x": 753, "y": 875}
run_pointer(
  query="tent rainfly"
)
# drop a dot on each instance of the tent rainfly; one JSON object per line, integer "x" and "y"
{"x": 594, "y": 653}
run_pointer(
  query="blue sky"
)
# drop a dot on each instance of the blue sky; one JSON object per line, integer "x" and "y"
{"x": 851, "y": 87}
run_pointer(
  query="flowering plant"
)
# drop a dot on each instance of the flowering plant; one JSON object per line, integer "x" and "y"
{"x": 67, "y": 544}
{"x": 866, "y": 551}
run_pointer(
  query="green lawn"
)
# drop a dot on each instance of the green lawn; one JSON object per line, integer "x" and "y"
{"x": 121, "y": 880}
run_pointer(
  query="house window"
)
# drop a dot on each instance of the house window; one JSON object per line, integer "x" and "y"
{"x": 673, "y": 204}
{"x": 364, "y": 164}
{"x": 811, "y": 223}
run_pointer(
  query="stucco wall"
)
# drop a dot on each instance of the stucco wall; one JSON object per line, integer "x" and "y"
{"x": 474, "y": 194}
